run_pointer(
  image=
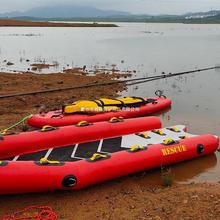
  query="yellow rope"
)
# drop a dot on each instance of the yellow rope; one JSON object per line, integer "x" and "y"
{"x": 4, "y": 131}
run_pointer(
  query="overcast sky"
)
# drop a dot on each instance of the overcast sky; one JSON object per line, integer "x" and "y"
{"x": 133, "y": 6}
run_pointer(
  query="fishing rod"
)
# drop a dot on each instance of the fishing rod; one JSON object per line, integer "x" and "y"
{"x": 173, "y": 74}
{"x": 76, "y": 87}
{"x": 136, "y": 81}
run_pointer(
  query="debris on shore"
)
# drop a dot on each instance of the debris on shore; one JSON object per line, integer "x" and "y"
{"x": 40, "y": 66}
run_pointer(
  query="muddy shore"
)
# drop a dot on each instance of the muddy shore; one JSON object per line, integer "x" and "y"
{"x": 131, "y": 197}
{"x": 126, "y": 199}
{"x": 19, "y": 23}
{"x": 13, "y": 109}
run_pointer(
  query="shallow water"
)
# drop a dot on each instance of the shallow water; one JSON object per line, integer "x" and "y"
{"x": 149, "y": 49}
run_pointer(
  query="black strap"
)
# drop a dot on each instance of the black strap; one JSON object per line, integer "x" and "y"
{"x": 143, "y": 102}
{"x": 142, "y": 99}
{"x": 153, "y": 101}
{"x": 101, "y": 104}
{"x": 122, "y": 104}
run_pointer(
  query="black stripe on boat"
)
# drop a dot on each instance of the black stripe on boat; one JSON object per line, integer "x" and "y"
{"x": 62, "y": 154}
{"x": 112, "y": 145}
{"x": 33, "y": 156}
{"x": 86, "y": 150}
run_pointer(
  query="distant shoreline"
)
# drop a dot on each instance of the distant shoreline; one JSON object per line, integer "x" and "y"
{"x": 95, "y": 22}
{"x": 23, "y": 23}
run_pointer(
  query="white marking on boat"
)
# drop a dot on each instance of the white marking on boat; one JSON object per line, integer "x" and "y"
{"x": 74, "y": 151}
{"x": 48, "y": 153}
{"x": 100, "y": 146}
{"x": 15, "y": 158}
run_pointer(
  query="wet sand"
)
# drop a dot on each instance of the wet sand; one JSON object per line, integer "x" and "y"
{"x": 19, "y": 23}
{"x": 132, "y": 197}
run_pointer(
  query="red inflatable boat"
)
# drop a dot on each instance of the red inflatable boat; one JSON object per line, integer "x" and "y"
{"x": 51, "y": 137}
{"x": 79, "y": 165}
{"x": 56, "y": 118}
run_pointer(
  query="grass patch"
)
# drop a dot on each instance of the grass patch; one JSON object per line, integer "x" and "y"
{"x": 167, "y": 177}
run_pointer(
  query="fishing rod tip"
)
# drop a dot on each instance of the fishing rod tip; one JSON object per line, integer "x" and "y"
{"x": 217, "y": 67}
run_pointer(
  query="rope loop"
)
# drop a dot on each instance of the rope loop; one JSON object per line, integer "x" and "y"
{"x": 83, "y": 124}
{"x": 116, "y": 119}
{"x": 169, "y": 141}
{"x": 45, "y": 161}
{"x": 159, "y": 132}
{"x": 47, "y": 128}
{"x": 159, "y": 93}
{"x": 136, "y": 148}
{"x": 97, "y": 156}
{"x": 32, "y": 212}
{"x": 174, "y": 129}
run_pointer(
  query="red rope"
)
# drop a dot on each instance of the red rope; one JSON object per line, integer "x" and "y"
{"x": 40, "y": 213}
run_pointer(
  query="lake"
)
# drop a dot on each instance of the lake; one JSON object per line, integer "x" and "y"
{"x": 149, "y": 49}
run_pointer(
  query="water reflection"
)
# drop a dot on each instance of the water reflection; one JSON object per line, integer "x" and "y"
{"x": 186, "y": 172}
